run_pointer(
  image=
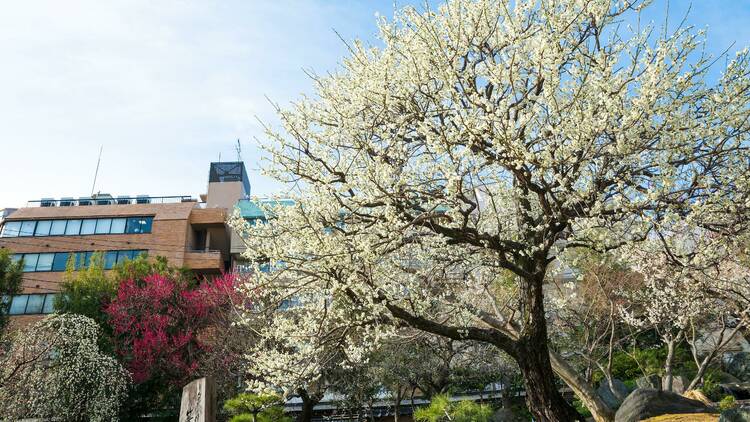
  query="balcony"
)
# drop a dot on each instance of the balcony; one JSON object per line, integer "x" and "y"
{"x": 204, "y": 261}
{"x": 208, "y": 216}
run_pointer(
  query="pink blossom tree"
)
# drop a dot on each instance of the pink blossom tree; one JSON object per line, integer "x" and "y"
{"x": 160, "y": 325}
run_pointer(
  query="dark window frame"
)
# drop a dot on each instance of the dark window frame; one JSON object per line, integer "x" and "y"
{"x": 82, "y": 259}
{"x": 44, "y": 308}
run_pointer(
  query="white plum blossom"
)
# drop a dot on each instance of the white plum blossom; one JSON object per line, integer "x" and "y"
{"x": 694, "y": 282}
{"x": 438, "y": 175}
{"x": 55, "y": 370}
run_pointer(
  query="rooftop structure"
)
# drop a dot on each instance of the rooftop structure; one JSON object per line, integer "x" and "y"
{"x": 107, "y": 199}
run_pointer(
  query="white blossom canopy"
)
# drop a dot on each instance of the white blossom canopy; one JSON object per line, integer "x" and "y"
{"x": 479, "y": 141}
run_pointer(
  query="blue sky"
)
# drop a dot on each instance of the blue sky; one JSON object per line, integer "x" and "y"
{"x": 167, "y": 86}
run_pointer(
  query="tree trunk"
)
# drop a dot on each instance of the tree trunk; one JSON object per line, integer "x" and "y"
{"x": 308, "y": 405}
{"x": 701, "y": 371}
{"x": 397, "y": 404}
{"x": 542, "y": 395}
{"x": 668, "y": 366}
{"x": 600, "y": 411}
{"x": 532, "y": 354}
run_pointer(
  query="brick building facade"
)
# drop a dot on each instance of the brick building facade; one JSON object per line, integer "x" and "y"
{"x": 48, "y": 233}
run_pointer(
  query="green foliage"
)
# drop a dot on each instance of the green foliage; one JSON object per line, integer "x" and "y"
{"x": 142, "y": 266}
{"x": 727, "y": 403}
{"x": 711, "y": 386}
{"x": 10, "y": 284}
{"x": 581, "y": 408}
{"x": 243, "y": 417}
{"x": 249, "y": 407}
{"x": 86, "y": 291}
{"x": 632, "y": 365}
{"x": 442, "y": 409}
{"x": 274, "y": 414}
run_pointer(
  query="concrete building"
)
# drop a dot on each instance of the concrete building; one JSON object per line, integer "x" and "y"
{"x": 49, "y": 232}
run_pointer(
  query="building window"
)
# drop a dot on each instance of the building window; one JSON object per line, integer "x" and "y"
{"x": 35, "y": 304}
{"x": 27, "y": 228}
{"x": 29, "y": 262}
{"x": 49, "y": 304}
{"x": 60, "y": 262}
{"x": 42, "y": 228}
{"x": 110, "y": 259}
{"x": 44, "y": 263}
{"x": 103, "y": 225}
{"x": 73, "y": 227}
{"x": 88, "y": 226}
{"x": 139, "y": 225}
{"x": 30, "y": 304}
{"x": 18, "y": 305}
{"x": 34, "y": 262}
{"x": 11, "y": 229}
{"x": 118, "y": 226}
{"x": 58, "y": 227}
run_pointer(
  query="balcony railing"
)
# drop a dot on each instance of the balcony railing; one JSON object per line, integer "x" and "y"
{"x": 206, "y": 260}
{"x": 103, "y": 199}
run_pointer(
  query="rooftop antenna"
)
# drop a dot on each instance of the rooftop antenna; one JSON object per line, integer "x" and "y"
{"x": 239, "y": 150}
{"x": 96, "y": 173}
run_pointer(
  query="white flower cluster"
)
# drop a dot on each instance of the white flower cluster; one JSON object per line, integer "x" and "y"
{"x": 55, "y": 370}
{"x": 439, "y": 175}
{"x": 689, "y": 275}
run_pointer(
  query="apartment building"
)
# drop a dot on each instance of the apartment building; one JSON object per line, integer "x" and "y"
{"x": 189, "y": 232}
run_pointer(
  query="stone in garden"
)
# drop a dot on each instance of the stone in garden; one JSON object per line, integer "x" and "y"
{"x": 739, "y": 365}
{"x": 649, "y": 381}
{"x": 199, "y": 401}
{"x": 609, "y": 396}
{"x": 740, "y": 391}
{"x": 678, "y": 384}
{"x": 644, "y": 403}
{"x": 735, "y": 415}
{"x": 506, "y": 415}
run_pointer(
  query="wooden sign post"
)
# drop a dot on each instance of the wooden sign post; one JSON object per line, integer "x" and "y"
{"x": 199, "y": 401}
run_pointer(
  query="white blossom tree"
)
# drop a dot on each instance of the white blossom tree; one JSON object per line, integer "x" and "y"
{"x": 695, "y": 290}
{"x": 439, "y": 175}
{"x": 55, "y": 370}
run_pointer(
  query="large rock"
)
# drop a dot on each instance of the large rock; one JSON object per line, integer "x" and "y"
{"x": 678, "y": 384}
{"x": 644, "y": 403}
{"x": 649, "y": 381}
{"x": 611, "y": 398}
{"x": 739, "y": 365}
{"x": 740, "y": 391}
{"x": 735, "y": 415}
